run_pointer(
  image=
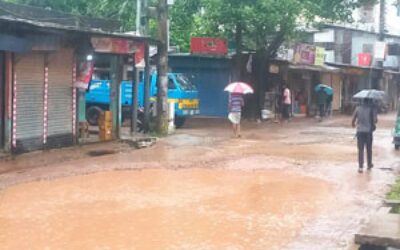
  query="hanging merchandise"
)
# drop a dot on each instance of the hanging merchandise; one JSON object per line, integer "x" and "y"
{"x": 84, "y": 74}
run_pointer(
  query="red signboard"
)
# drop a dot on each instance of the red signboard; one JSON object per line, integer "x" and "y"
{"x": 208, "y": 45}
{"x": 84, "y": 74}
{"x": 114, "y": 45}
{"x": 364, "y": 59}
{"x": 139, "y": 54}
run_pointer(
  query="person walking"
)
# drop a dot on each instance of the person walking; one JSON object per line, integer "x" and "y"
{"x": 328, "y": 112}
{"x": 321, "y": 101}
{"x": 236, "y": 102}
{"x": 286, "y": 102}
{"x": 365, "y": 119}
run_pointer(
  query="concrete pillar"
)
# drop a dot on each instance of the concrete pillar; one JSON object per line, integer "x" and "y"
{"x": 115, "y": 102}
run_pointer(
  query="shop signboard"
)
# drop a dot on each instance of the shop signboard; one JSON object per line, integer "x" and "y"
{"x": 319, "y": 56}
{"x": 364, "y": 59}
{"x": 208, "y": 45}
{"x": 274, "y": 69}
{"x": 304, "y": 54}
{"x": 84, "y": 74}
{"x": 114, "y": 45}
{"x": 380, "y": 51}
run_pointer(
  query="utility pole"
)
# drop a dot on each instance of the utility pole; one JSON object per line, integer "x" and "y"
{"x": 162, "y": 80}
{"x": 382, "y": 26}
{"x": 382, "y": 20}
{"x": 138, "y": 17}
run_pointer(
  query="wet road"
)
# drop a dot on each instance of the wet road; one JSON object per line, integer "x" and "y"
{"x": 291, "y": 186}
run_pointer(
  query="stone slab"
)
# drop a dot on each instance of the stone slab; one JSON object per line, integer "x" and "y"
{"x": 382, "y": 230}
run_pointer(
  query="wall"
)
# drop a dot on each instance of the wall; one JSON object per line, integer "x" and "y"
{"x": 361, "y": 43}
{"x": 392, "y": 19}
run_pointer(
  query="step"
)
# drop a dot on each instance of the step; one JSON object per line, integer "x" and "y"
{"x": 383, "y": 230}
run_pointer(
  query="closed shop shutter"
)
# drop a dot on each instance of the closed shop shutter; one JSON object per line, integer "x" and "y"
{"x": 335, "y": 81}
{"x": 28, "y": 102}
{"x": 60, "y": 99}
{"x": 210, "y": 75}
{"x": 337, "y": 95}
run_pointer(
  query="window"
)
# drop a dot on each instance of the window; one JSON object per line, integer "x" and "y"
{"x": 368, "y": 48}
{"x": 397, "y": 5}
{"x": 171, "y": 84}
{"x": 185, "y": 83}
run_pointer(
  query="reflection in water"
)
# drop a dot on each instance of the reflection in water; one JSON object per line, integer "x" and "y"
{"x": 161, "y": 209}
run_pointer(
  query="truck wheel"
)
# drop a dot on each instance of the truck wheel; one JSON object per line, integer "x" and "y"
{"x": 179, "y": 121}
{"x": 92, "y": 115}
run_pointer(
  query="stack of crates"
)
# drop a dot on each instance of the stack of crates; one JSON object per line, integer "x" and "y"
{"x": 105, "y": 126}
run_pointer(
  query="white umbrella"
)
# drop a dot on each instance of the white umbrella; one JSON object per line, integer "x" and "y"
{"x": 239, "y": 88}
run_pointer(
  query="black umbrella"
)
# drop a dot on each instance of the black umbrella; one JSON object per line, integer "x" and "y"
{"x": 373, "y": 94}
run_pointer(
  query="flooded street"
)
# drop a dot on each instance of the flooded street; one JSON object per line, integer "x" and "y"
{"x": 290, "y": 186}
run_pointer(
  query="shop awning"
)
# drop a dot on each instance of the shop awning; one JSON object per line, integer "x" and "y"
{"x": 14, "y": 44}
{"x": 318, "y": 68}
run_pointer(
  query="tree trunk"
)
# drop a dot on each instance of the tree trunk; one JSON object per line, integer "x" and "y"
{"x": 162, "y": 79}
{"x": 237, "y": 74}
{"x": 261, "y": 71}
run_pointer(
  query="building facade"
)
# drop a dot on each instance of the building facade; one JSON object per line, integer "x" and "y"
{"x": 39, "y": 107}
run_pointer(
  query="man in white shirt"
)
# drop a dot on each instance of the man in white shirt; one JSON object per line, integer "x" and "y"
{"x": 286, "y": 103}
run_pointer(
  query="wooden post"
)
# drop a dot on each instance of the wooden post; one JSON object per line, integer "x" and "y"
{"x": 146, "y": 88}
{"x": 2, "y": 99}
{"x": 9, "y": 72}
{"x": 135, "y": 90}
{"x": 162, "y": 79}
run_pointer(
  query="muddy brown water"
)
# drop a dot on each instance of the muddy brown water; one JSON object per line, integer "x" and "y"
{"x": 291, "y": 186}
{"x": 161, "y": 209}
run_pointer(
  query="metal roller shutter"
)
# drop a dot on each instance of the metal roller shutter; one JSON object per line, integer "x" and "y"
{"x": 60, "y": 99}
{"x": 28, "y": 102}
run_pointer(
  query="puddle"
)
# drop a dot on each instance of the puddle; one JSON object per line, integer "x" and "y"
{"x": 161, "y": 209}
{"x": 96, "y": 153}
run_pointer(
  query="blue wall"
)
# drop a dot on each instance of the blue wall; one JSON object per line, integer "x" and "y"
{"x": 210, "y": 75}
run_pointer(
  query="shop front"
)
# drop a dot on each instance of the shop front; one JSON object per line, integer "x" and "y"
{"x": 39, "y": 83}
{"x": 302, "y": 80}
{"x": 42, "y": 100}
{"x": 355, "y": 79}
{"x": 392, "y": 88}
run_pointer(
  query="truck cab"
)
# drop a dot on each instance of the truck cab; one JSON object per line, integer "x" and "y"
{"x": 180, "y": 91}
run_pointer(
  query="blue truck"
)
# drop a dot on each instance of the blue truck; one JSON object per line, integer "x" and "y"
{"x": 180, "y": 91}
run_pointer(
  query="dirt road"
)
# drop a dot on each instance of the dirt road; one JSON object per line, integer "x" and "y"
{"x": 289, "y": 186}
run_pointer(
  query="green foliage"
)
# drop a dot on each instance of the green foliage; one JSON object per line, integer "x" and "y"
{"x": 121, "y": 10}
{"x": 183, "y": 26}
{"x": 394, "y": 193}
{"x": 264, "y": 24}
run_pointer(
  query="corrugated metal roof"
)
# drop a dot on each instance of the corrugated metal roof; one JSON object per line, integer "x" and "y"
{"x": 41, "y": 18}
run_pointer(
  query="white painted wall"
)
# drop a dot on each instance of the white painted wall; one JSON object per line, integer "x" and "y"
{"x": 392, "y": 19}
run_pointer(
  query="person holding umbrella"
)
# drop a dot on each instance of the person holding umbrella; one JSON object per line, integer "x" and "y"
{"x": 365, "y": 120}
{"x": 324, "y": 99}
{"x": 236, "y": 102}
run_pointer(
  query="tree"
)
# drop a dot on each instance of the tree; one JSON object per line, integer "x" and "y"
{"x": 121, "y": 10}
{"x": 258, "y": 25}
